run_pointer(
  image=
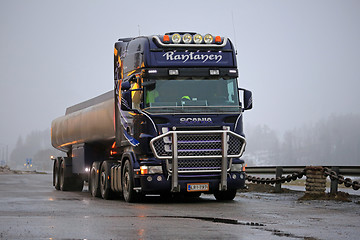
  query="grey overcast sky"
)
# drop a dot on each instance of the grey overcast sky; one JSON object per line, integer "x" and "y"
{"x": 301, "y": 59}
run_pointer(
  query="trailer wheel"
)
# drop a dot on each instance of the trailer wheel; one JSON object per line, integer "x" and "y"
{"x": 67, "y": 180}
{"x": 225, "y": 195}
{"x": 94, "y": 182}
{"x": 128, "y": 183}
{"x": 78, "y": 183}
{"x": 64, "y": 181}
{"x": 56, "y": 176}
{"x": 104, "y": 176}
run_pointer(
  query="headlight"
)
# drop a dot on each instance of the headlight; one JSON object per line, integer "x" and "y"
{"x": 176, "y": 38}
{"x": 187, "y": 38}
{"x": 151, "y": 170}
{"x": 236, "y": 167}
{"x": 197, "y": 38}
{"x": 208, "y": 38}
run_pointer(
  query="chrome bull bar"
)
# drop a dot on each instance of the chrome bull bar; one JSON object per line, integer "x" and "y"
{"x": 192, "y": 145}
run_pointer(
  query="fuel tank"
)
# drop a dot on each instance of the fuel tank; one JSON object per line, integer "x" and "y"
{"x": 91, "y": 121}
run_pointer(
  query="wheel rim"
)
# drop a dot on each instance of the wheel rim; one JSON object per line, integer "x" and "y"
{"x": 61, "y": 178}
{"x": 56, "y": 176}
{"x": 103, "y": 182}
{"x": 92, "y": 180}
{"x": 126, "y": 184}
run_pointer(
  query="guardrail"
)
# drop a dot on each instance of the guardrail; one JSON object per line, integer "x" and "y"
{"x": 278, "y": 171}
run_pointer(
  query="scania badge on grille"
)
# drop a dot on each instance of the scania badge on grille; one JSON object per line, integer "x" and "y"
{"x": 202, "y": 120}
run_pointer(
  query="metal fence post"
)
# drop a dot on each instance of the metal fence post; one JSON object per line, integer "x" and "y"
{"x": 278, "y": 174}
{"x": 335, "y": 182}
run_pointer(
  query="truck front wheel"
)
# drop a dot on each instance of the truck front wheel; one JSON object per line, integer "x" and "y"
{"x": 69, "y": 181}
{"x": 94, "y": 181}
{"x": 128, "y": 183}
{"x": 227, "y": 195}
{"x": 56, "y": 177}
{"x": 104, "y": 176}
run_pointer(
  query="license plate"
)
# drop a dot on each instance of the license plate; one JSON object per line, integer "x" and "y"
{"x": 195, "y": 187}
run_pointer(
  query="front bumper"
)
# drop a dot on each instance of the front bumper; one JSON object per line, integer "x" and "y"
{"x": 158, "y": 183}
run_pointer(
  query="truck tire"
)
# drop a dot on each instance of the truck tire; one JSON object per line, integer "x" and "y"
{"x": 67, "y": 180}
{"x": 94, "y": 181}
{"x": 56, "y": 176}
{"x": 128, "y": 183}
{"x": 64, "y": 181}
{"x": 78, "y": 183}
{"x": 225, "y": 195}
{"x": 105, "y": 187}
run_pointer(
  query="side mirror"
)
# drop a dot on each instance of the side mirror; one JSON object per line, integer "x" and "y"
{"x": 247, "y": 97}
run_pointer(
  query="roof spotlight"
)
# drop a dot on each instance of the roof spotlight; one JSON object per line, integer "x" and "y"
{"x": 187, "y": 38}
{"x": 198, "y": 38}
{"x": 176, "y": 38}
{"x": 208, "y": 38}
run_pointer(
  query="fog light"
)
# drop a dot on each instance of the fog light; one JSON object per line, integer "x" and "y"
{"x": 149, "y": 178}
{"x": 159, "y": 178}
{"x": 241, "y": 176}
{"x": 234, "y": 176}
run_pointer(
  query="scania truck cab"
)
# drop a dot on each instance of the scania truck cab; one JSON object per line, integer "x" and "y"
{"x": 179, "y": 109}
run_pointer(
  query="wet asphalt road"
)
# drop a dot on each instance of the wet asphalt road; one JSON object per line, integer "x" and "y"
{"x": 30, "y": 208}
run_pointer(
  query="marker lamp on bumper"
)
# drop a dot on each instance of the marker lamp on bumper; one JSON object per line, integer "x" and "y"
{"x": 236, "y": 167}
{"x": 151, "y": 170}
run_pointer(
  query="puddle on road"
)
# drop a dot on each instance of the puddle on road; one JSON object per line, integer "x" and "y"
{"x": 218, "y": 220}
{"x": 254, "y": 225}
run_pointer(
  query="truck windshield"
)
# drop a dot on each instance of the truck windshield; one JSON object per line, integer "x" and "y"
{"x": 192, "y": 95}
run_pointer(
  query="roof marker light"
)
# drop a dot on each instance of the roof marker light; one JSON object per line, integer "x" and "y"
{"x": 166, "y": 39}
{"x": 217, "y": 39}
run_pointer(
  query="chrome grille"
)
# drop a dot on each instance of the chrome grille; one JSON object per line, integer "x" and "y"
{"x": 198, "y": 151}
{"x": 198, "y": 144}
{"x": 188, "y": 165}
